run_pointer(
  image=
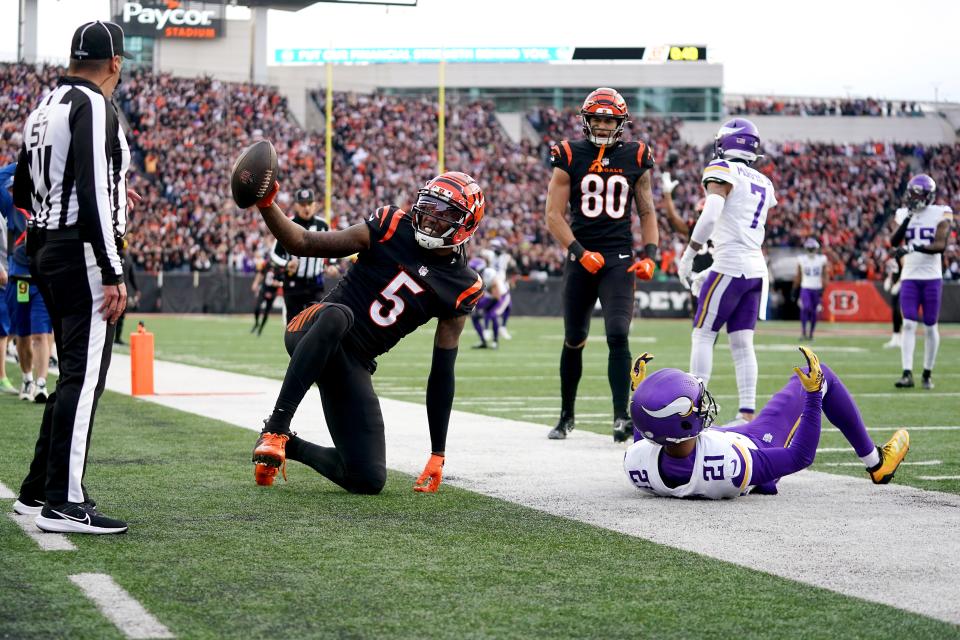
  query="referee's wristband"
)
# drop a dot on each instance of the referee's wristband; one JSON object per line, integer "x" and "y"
{"x": 576, "y": 249}
{"x": 651, "y": 250}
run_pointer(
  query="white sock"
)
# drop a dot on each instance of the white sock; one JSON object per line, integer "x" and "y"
{"x": 41, "y": 382}
{"x": 28, "y": 377}
{"x": 907, "y": 343}
{"x": 872, "y": 459}
{"x": 745, "y": 365}
{"x": 931, "y": 344}
{"x": 701, "y": 353}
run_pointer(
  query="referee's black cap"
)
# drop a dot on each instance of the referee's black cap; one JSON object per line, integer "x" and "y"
{"x": 304, "y": 196}
{"x": 98, "y": 40}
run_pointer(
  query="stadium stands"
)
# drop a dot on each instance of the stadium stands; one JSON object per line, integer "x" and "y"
{"x": 185, "y": 133}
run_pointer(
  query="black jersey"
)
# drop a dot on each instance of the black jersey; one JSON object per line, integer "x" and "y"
{"x": 396, "y": 286}
{"x": 272, "y": 276}
{"x": 601, "y": 190}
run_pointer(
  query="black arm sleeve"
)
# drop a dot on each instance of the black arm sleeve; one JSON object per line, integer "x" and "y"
{"x": 22, "y": 182}
{"x": 440, "y": 389}
{"x": 901, "y": 231}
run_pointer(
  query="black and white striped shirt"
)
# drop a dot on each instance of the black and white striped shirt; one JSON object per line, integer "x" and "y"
{"x": 72, "y": 169}
{"x": 309, "y": 269}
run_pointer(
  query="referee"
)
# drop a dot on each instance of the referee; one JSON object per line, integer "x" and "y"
{"x": 71, "y": 175}
{"x": 303, "y": 277}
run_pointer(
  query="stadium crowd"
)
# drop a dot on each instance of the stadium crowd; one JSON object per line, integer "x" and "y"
{"x": 185, "y": 134}
{"x": 818, "y": 107}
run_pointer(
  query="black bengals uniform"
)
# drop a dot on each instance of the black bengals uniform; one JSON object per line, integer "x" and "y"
{"x": 602, "y": 191}
{"x": 602, "y": 186}
{"x": 266, "y": 295}
{"x": 395, "y": 287}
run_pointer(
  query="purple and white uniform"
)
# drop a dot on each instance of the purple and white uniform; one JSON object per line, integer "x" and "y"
{"x": 812, "y": 266}
{"x": 922, "y": 274}
{"x": 733, "y": 461}
{"x": 734, "y": 292}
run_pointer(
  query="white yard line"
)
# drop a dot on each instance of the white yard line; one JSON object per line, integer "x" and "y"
{"x": 47, "y": 541}
{"x": 5, "y": 493}
{"x": 823, "y": 529}
{"x": 938, "y": 477}
{"x": 120, "y": 607}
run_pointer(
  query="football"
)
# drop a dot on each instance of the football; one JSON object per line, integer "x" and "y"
{"x": 254, "y": 173}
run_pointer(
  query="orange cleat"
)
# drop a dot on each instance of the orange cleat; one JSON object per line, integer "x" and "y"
{"x": 270, "y": 454}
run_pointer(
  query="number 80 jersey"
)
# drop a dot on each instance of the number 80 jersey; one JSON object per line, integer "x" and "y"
{"x": 397, "y": 286}
{"x": 723, "y": 467}
{"x": 601, "y": 190}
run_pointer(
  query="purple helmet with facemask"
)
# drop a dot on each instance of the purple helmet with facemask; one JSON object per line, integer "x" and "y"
{"x": 671, "y": 406}
{"x": 811, "y": 244}
{"x": 921, "y": 191}
{"x": 737, "y": 139}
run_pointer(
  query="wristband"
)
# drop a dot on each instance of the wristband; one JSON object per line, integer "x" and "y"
{"x": 651, "y": 250}
{"x": 576, "y": 249}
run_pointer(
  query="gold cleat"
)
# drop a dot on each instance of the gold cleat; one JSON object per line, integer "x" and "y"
{"x": 891, "y": 455}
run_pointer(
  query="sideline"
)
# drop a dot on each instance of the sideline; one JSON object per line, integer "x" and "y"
{"x": 824, "y": 530}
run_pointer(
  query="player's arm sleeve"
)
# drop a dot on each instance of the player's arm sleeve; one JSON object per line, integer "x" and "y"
{"x": 712, "y": 207}
{"x": 771, "y": 463}
{"x": 22, "y": 182}
{"x": 441, "y": 383}
{"x": 91, "y": 129}
{"x": 561, "y": 156}
{"x": 903, "y": 220}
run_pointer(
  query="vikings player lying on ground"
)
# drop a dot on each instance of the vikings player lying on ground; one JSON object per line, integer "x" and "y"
{"x": 677, "y": 454}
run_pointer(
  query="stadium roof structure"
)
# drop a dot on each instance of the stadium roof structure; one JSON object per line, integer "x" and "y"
{"x": 296, "y": 5}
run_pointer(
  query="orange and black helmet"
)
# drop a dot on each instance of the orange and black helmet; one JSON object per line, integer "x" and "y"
{"x": 448, "y": 211}
{"x": 604, "y": 103}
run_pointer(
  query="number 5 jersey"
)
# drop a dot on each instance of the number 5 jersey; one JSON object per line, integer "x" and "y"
{"x": 396, "y": 286}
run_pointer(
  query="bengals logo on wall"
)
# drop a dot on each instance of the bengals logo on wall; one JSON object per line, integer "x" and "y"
{"x": 844, "y": 302}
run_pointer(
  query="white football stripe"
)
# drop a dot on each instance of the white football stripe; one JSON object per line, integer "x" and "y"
{"x": 47, "y": 541}
{"x": 120, "y": 607}
{"x": 6, "y": 494}
{"x": 918, "y": 463}
{"x": 938, "y": 477}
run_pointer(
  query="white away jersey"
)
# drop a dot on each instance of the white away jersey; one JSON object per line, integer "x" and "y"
{"x": 811, "y": 270}
{"x": 720, "y": 457}
{"x": 920, "y": 232}
{"x": 739, "y": 232}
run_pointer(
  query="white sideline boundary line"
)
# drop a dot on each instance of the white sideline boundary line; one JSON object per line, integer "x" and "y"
{"x": 5, "y": 493}
{"x": 119, "y": 607}
{"x": 824, "y": 530}
{"x": 47, "y": 541}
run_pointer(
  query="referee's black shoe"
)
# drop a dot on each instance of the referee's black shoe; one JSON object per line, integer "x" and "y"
{"x": 73, "y": 517}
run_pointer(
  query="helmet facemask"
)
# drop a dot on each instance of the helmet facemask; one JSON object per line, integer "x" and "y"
{"x": 437, "y": 222}
{"x": 600, "y": 140}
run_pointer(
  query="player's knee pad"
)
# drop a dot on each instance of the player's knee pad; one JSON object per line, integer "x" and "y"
{"x": 618, "y": 342}
{"x": 741, "y": 340}
{"x": 574, "y": 340}
{"x": 369, "y": 481}
{"x": 704, "y": 337}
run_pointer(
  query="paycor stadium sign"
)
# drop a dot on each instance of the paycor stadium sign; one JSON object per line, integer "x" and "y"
{"x": 171, "y": 19}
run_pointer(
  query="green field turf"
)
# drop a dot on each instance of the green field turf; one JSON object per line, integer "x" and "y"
{"x": 521, "y": 379}
{"x": 211, "y": 555}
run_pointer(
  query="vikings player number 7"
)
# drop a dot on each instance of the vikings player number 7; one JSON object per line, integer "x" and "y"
{"x": 389, "y": 292}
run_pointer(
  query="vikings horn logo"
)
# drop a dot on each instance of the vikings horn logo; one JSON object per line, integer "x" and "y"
{"x": 682, "y": 407}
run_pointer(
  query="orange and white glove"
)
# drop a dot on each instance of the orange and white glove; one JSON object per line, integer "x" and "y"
{"x": 267, "y": 201}
{"x": 429, "y": 480}
{"x": 590, "y": 260}
{"x": 643, "y": 269}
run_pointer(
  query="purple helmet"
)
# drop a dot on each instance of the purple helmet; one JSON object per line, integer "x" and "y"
{"x": 921, "y": 191}
{"x": 811, "y": 244}
{"x": 737, "y": 139}
{"x": 671, "y": 406}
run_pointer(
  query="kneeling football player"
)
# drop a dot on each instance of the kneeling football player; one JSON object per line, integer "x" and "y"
{"x": 676, "y": 453}
{"x": 410, "y": 269}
